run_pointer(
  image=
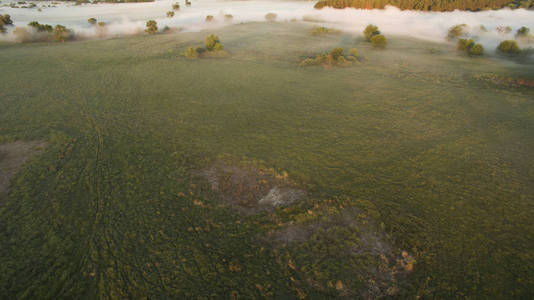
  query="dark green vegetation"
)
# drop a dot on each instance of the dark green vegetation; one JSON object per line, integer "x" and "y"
{"x": 428, "y": 5}
{"x": 509, "y": 47}
{"x": 433, "y": 150}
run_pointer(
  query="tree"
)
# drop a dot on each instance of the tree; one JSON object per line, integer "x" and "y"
{"x": 476, "y": 50}
{"x": 176, "y": 6}
{"x": 211, "y": 42}
{"x": 151, "y": 27}
{"x": 170, "y": 14}
{"x": 6, "y": 20}
{"x": 62, "y": 33}
{"x": 509, "y": 47}
{"x": 92, "y": 21}
{"x": 336, "y": 53}
{"x": 370, "y": 31}
{"x": 41, "y": 27}
{"x": 271, "y": 17}
{"x": 456, "y": 31}
{"x": 465, "y": 44}
{"x": 379, "y": 41}
{"x": 522, "y": 32}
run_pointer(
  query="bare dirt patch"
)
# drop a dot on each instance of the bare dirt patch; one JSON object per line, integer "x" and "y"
{"x": 12, "y": 157}
{"x": 250, "y": 190}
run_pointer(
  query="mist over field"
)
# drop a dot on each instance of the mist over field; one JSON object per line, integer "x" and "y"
{"x": 130, "y": 18}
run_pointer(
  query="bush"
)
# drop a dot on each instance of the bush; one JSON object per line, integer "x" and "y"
{"x": 334, "y": 58}
{"x": 176, "y": 6}
{"x": 476, "y": 50}
{"x": 271, "y": 17}
{"x": 336, "y": 53}
{"x": 370, "y": 31}
{"x": 379, "y": 41}
{"x": 456, "y": 31}
{"x": 151, "y": 27}
{"x": 170, "y": 14}
{"x": 509, "y": 47}
{"x": 522, "y": 32}
{"x": 62, "y": 33}
{"x": 191, "y": 53}
{"x": 209, "y": 18}
{"x": 91, "y": 21}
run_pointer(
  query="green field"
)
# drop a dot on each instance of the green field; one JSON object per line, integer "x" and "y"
{"x": 418, "y": 149}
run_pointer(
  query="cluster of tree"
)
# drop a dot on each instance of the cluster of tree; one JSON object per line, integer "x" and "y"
{"x": 470, "y": 47}
{"x": 336, "y": 58}
{"x": 5, "y": 20}
{"x": 213, "y": 47}
{"x": 43, "y": 33}
{"x": 324, "y": 30}
{"x": 372, "y": 34}
{"x": 428, "y": 5}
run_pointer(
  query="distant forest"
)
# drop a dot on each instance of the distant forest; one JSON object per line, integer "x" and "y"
{"x": 428, "y": 5}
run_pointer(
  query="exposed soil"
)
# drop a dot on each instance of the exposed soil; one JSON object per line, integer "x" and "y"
{"x": 250, "y": 190}
{"x": 12, "y": 157}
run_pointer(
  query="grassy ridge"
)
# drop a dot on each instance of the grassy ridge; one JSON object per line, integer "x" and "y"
{"x": 109, "y": 210}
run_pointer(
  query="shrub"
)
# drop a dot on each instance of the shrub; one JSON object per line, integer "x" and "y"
{"x": 522, "y": 32}
{"x": 228, "y": 17}
{"x": 209, "y": 18}
{"x": 509, "y": 47}
{"x": 456, "y": 31}
{"x": 271, "y": 17}
{"x": 379, "y": 41}
{"x": 370, "y": 31}
{"x": 476, "y": 50}
{"x": 176, "y": 6}
{"x": 170, "y": 14}
{"x": 151, "y": 27}
{"x": 211, "y": 42}
{"x": 191, "y": 53}
{"x": 62, "y": 33}
{"x": 91, "y": 21}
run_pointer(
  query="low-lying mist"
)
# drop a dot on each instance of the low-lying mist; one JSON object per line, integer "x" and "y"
{"x": 130, "y": 18}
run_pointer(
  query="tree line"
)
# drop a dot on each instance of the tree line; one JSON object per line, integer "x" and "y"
{"x": 428, "y": 5}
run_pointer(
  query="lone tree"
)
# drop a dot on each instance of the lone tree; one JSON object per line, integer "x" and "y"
{"x": 370, "y": 31}
{"x": 151, "y": 27}
{"x": 170, "y": 14}
{"x": 176, "y": 6}
{"x": 92, "y": 21}
{"x": 509, "y": 47}
{"x": 379, "y": 41}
